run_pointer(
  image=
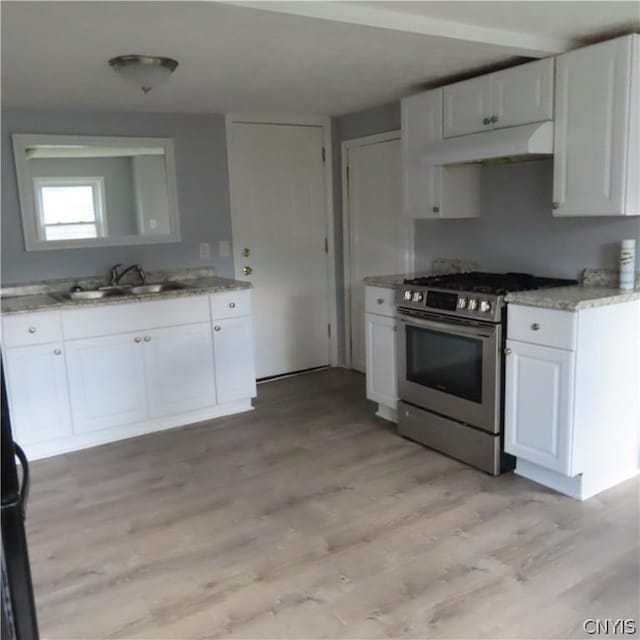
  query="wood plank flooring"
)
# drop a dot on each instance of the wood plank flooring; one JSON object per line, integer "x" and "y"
{"x": 310, "y": 518}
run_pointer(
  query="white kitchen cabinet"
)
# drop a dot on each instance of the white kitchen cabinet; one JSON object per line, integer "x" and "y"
{"x": 431, "y": 191}
{"x": 597, "y": 130}
{"x": 106, "y": 381}
{"x": 538, "y": 407}
{"x": 572, "y": 408}
{"x": 515, "y": 96}
{"x": 37, "y": 392}
{"x": 381, "y": 350}
{"x": 179, "y": 369}
{"x": 233, "y": 347}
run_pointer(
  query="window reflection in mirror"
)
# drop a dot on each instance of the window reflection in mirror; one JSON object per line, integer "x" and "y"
{"x": 95, "y": 191}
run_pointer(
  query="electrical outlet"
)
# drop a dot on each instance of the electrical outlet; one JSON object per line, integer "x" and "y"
{"x": 205, "y": 250}
{"x": 224, "y": 248}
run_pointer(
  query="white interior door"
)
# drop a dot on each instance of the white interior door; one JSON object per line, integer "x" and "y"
{"x": 276, "y": 176}
{"x": 380, "y": 238}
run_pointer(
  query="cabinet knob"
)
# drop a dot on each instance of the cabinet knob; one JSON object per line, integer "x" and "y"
{"x": 137, "y": 339}
{"x": 57, "y": 352}
{"x": 535, "y": 326}
{"x": 147, "y": 338}
{"x": 32, "y": 329}
{"x": 436, "y": 209}
{"x": 217, "y": 328}
{"x": 494, "y": 119}
{"x": 507, "y": 351}
{"x": 232, "y": 305}
{"x": 555, "y": 205}
{"x": 380, "y": 300}
{"x": 486, "y": 121}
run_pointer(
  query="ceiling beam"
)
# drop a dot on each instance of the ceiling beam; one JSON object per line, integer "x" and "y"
{"x": 511, "y": 43}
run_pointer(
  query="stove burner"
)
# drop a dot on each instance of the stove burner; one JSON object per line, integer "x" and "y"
{"x": 488, "y": 283}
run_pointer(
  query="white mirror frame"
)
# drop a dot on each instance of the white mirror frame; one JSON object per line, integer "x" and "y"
{"x": 32, "y": 241}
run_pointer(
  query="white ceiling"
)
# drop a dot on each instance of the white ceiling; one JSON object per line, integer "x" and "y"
{"x": 330, "y": 58}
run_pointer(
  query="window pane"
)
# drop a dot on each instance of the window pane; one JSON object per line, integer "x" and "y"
{"x": 66, "y": 204}
{"x": 70, "y": 231}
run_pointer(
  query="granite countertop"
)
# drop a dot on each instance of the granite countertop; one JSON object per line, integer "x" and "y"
{"x": 439, "y": 266}
{"x": 31, "y": 300}
{"x": 573, "y": 298}
{"x": 392, "y": 281}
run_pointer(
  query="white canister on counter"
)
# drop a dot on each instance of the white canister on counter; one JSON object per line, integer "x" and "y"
{"x": 627, "y": 264}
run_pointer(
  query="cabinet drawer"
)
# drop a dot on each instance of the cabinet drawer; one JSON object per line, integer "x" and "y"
{"x": 380, "y": 300}
{"x": 231, "y": 304}
{"x": 32, "y": 328}
{"x": 546, "y": 327}
{"x": 114, "y": 319}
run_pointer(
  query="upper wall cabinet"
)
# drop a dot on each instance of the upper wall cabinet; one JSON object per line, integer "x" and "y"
{"x": 597, "y": 130}
{"x": 515, "y": 96}
{"x": 433, "y": 191}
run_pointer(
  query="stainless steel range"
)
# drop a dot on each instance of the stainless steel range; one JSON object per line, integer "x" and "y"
{"x": 450, "y": 362}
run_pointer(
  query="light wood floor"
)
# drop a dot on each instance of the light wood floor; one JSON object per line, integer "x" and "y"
{"x": 310, "y": 518}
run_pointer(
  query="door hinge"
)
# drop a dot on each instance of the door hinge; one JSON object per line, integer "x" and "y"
{"x": 324, "y": 155}
{"x": 329, "y": 330}
{"x": 326, "y": 245}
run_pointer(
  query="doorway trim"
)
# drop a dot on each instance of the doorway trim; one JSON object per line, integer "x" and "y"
{"x": 409, "y": 259}
{"x": 325, "y": 124}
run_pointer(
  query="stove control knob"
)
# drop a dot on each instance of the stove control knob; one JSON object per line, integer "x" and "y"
{"x": 417, "y": 296}
{"x": 462, "y": 302}
{"x": 407, "y": 295}
{"x": 485, "y": 306}
{"x": 473, "y": 304}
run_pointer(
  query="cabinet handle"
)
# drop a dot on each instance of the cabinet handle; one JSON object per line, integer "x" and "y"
{"x": 507, "y": 351}
{"x": 486, "y": 121}
{"x": 555, "y": 205}
{"x": 535, "y": 326}
{"x": 217, "y": 328}
{"x": 232, "y": 305}
{"x": 137, "y": 339}
{"x": 494, "y": 119}
{"x": 147, "y": 338}
{"x": 32, "y": 329}
{"x": 380, "y": 300}
{"x": 436, "y": 209}
{"x": 57, "y": 352}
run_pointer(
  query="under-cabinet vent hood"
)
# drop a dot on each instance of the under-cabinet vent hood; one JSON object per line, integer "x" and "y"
{"x": 513, "y": 143}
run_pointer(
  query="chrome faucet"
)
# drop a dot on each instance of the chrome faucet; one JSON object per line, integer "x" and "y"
{"x": 115, "y": 278}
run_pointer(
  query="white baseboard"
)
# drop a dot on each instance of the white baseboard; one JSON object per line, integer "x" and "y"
{"x": 123, "y": 432}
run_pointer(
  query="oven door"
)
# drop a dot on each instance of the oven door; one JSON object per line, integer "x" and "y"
{"x": 451, "y": 367}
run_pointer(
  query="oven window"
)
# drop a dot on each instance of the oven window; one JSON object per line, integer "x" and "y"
{"x": 445, "y": 362}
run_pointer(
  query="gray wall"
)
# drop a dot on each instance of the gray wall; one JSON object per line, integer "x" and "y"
{"x": 516, "y": 231}
{"x": 118, "y": 185}
{"x": 203, "y": 192}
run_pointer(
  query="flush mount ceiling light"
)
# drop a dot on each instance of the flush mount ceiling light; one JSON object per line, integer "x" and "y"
{"x": 145, "y": 72}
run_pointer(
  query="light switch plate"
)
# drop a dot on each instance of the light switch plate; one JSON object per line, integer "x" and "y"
{"x": 205, "y": 250}
{"x": 224, "y": 248}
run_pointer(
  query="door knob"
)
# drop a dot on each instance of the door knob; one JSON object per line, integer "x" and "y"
{"x": 247, "y": 271}
{"x": 245, "y": 252}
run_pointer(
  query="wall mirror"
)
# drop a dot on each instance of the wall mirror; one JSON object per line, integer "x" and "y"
{"x": 86, "y": 191}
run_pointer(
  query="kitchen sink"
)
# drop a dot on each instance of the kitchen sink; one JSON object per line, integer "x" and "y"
{"x": 109, "y": 291}
{"x": 156, "y": 288}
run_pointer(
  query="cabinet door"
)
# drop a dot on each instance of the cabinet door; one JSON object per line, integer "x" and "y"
{"x": 467, "y": 107}
{"x": 539, "y": 404}
{"x": 421, "y": 125}
{"x": 592, "y": 129}
{"x": 382, "y": 385}
{"x": 38, "y": 397}
{"x": 523, "y": 94}
{"x": 233, "y": 348}
{"x": 179, "y": 369}
{"x": 106, "y": 381}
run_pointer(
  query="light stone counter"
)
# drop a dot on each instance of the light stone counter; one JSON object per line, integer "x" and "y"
{"x": 53, "y": 294}
{"x": 572, "y": 298}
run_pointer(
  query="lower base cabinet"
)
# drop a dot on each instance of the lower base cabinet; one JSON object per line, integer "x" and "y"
{"x": 380, "y": 337}
{"x": 37, "y": 393}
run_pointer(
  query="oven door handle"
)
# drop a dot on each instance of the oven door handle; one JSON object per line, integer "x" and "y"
{"x": 456, "y": 329}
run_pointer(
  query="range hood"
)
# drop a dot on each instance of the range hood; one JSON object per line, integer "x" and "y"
{"x": 512, "y": 143}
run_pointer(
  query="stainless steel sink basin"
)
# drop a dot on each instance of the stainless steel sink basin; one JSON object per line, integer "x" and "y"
{"x": 155, "y": 287}
{"x": 92, "y": 294}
